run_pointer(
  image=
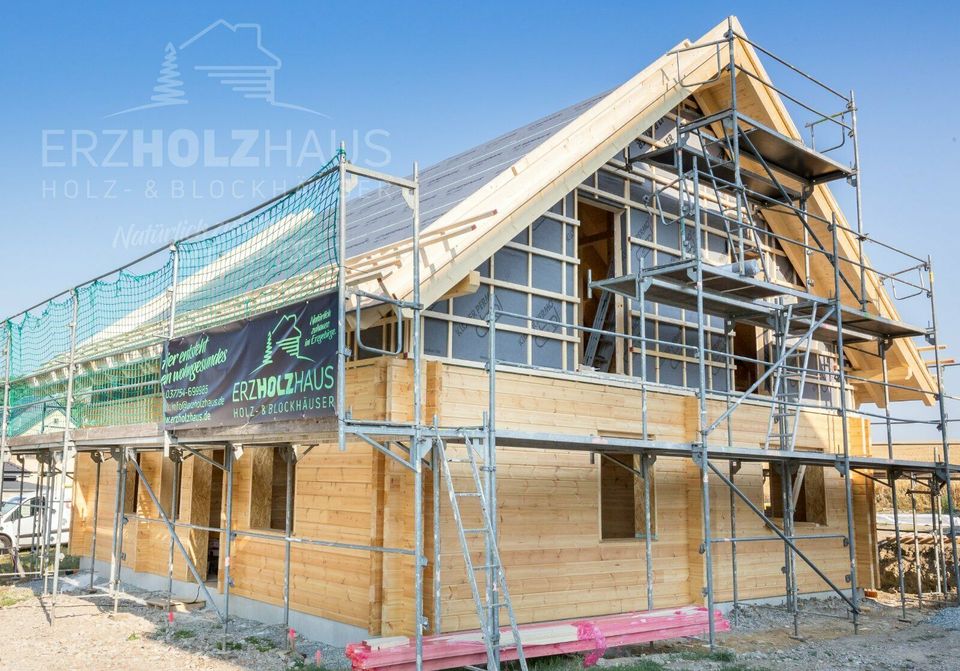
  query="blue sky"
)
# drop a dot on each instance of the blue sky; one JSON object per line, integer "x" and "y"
{"x": 403, "y": 82}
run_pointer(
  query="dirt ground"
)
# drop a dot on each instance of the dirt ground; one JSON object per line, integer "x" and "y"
{"x": 86, "y": 635}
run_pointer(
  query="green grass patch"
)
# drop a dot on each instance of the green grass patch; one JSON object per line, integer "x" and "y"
{"x": 551, "y": 664}
{"x": 10, "y": 600}
{"x": 642, "y": 665}
{"x": 181, "y": 634}
{"x": 30, "y": 561}
{"x": 11, "y": 597}
{"x": 575, "y": 663}
{"x": 230, "y": 645}
{"x": 133, "y": 637}
{"x": 706, "y": 655}
{"x": 556, "y": 663}
{"x": 260, "y": 644}
{"x": 301, "y": 665}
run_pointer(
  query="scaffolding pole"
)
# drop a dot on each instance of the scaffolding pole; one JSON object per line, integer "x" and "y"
{"x": 420, "y": 446}
{"x": 291, "y": 460}
{"x": 789, "y": 569}
{"x": 342, "y": 352}
{"x": 97, "y": 458}
{"x": 733, "y": 469}
{"x": 229, "y": 459}
{"x": 944, "y": 430}
{"x": 916, "y": 539}
{"x": 939, "y": 559}
{"x": 883, "y": 345}
{"x": 845, "y": 433}
{"x": 177, "y": 458}
{"x": 116, "y": 453}
{"x": 493, "y": 614}
{"x": 120, "y": 526}
{"x": 5, "y": 416}
{"x": 436, "y": 471}
{"x": 701, "y": 451}
{"x": 40, "y": 522}
{"x": 65, "y": 455}
{"x": 646, "y": 463}
{"x": 852, "y": 107}
{"x": 48, "y": 518}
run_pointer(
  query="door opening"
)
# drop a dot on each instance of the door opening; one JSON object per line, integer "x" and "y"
{"x": 215, "y": 518}
{"x": 595, "y": 249}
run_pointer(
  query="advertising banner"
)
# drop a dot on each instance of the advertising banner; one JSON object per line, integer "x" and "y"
{"x": 279, "y": 365}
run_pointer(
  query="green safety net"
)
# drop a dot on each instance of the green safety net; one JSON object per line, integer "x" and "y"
{"x": 282, "y": 253}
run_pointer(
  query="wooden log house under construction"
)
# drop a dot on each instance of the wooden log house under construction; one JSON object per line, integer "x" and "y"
{"x": 631, "y": 356}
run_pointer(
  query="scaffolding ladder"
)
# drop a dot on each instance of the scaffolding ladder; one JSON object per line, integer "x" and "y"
{"x": 788, "y": 384}
{"x": 497, "y": 596}
{"x": 593, "y": 352}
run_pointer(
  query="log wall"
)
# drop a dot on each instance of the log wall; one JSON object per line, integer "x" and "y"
{"x": 556, "y": 563}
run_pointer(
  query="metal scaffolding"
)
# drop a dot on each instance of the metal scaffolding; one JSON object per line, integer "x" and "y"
{"x": 727, "y": 157}
{"x": 737, "y": 160}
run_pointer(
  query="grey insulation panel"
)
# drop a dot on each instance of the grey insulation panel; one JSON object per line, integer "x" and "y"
{"x": 381, "y": 218}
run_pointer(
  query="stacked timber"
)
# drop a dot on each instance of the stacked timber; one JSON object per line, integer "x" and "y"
{"x": 589, "y": 636}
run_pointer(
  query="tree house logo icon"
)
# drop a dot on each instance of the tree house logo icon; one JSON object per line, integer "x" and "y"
{"x": 286, "y": 338}
{"x": 227, "y": 55}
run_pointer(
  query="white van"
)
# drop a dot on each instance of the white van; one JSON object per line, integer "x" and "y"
{"x": 21, "y": 521}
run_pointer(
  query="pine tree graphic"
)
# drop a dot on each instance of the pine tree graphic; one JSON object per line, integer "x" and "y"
{"x": 268, "y": 350}
{"x": 169, "y": 88}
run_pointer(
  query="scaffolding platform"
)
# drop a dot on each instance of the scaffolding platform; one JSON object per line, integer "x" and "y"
{"x": 619, "y": 445}
{"x": 745, "y": 299}
{"x": 872, "y": 326}
{"x": 776, "y": 150}
{"x": 722, "y": 171}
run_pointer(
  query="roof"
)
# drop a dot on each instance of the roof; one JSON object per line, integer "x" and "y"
{"x": 382, "y": 218}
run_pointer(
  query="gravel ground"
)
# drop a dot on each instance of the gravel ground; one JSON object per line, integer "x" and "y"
{"x": 762, "y": 641}
{"x": 947, "y": 618}
{"x": 86, "y": 635}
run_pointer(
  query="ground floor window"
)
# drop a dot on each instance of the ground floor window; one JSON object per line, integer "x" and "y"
{"x": 622, "y": 501}
{"x": 809, "y": 493}
{"x": 268, "y": 495}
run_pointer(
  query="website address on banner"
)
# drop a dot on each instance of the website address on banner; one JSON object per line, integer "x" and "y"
{"x": 189, "y": 418}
